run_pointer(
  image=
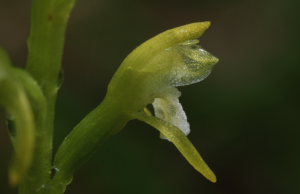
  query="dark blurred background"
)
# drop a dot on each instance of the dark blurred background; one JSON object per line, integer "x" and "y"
{"x": 244, "y": 117}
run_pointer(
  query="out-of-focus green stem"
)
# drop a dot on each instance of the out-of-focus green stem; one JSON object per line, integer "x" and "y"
{"x": 15, "y": 101}
{"x": 48, "y": 24}
{"x": 38, "y": 103}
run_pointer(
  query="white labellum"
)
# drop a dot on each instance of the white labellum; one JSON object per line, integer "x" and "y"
{"x": 169, "y": 109}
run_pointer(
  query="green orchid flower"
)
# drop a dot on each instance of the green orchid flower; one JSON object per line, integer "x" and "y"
{"x": 151, "y": 73}
{"x": 148, "y": 75}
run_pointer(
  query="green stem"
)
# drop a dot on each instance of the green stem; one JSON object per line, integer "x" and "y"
{"x": 46, "y": 41}
{"x": 48, "y": 24}
{"x": 104, "y": 121}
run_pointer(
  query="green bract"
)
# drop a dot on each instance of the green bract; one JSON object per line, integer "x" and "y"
{"x": 150, "y": 74}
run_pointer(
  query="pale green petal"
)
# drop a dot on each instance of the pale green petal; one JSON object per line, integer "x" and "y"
{"x": 182, "y": 143}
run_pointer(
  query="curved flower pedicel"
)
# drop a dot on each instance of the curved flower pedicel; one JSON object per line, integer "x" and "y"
{"x": 151, "y": 73}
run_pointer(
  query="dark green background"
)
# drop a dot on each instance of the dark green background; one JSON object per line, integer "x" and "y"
{"x": 244, "y": 117}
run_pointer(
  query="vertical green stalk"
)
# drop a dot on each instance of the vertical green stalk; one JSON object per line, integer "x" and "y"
{"x": 48, "y": 24}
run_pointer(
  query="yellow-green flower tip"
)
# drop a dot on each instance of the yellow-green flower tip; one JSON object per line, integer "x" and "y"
{"x": 191, "y": 31}
{"x": 213, "y": 179}
{"x": 207, "y": 173}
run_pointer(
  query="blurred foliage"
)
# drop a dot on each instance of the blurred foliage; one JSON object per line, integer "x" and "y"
{"x": 244, "y": 116}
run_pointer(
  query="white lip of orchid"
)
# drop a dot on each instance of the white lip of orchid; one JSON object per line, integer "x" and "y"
{"x": 169, "y": 109}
